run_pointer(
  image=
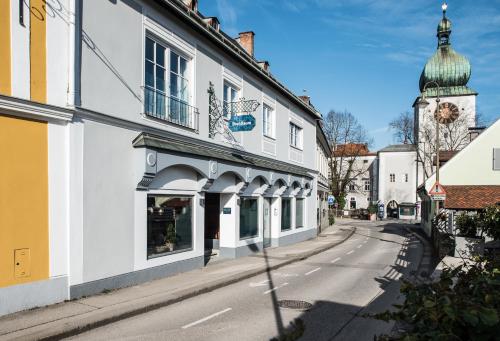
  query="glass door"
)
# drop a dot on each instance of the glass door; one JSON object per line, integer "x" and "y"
{"x": 267, "y": 222}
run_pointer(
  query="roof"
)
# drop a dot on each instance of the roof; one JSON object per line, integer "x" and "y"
{"x": 471, "y": 197}
{"x": 196, "y": 20}
{"x": 398, "y": 148}
{"x": 351, "y": 149}
{"x": 445, "y": 156}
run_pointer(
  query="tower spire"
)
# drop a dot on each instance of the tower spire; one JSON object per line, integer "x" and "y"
{"x": 444, "y": 28}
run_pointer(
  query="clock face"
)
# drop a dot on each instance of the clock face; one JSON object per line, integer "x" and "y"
{"x": 447, "y": 113}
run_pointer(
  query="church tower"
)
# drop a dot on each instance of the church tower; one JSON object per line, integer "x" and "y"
{"x": 444, "y": 77}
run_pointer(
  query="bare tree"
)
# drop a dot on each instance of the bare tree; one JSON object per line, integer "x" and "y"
{"x": 453, "y": 136}
{"x": 403, "y": 128}
{"x": 349, "y": 140}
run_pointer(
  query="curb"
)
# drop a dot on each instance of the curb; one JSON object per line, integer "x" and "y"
{"x": 424, "y": 268}
{"x": 106, "y": 315}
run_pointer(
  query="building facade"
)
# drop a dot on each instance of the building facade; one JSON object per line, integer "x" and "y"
{"x": 141, "y": 113}
{"x": 323, "y": 154}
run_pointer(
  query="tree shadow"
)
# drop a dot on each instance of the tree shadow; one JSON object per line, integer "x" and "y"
{"x": 329, "y": 320}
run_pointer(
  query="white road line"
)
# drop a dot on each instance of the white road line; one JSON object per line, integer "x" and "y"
{"x": 275, "y": 288}
{"x": 352, "y": 251}
{"x": 360, "y": 246}
{"x": 336, "y": 260}
{"x": 310, "y": 272}
{"x": 206, "y": 318}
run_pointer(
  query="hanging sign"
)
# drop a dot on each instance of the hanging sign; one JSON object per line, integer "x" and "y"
{"x": 437, "y": 193}
{"x": 241, "y": 123}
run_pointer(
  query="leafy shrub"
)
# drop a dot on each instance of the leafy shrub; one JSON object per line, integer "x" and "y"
{"x": 467, "y": 225}
{"x": 489, "y": 222}
{"x": 331, "y": 219}
{"x": 372, "y": 209}
{"x": 463, "y": 305}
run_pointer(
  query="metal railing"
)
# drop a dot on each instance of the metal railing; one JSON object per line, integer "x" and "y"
{"x": 170, "y": 109}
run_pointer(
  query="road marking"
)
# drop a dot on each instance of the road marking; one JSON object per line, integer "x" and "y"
{"x": 310, "y": 272}
{"x": 336, "y": 260}
{"x": 275, "y": 288}
{"x": 366, "y": 241}
{"x": 350, "y": 252}
{"x": 259, "y": 284}
{"x": 206, "y": 318}
{"x": 360, "y": 246}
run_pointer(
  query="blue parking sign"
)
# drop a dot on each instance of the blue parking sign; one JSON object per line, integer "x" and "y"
{"x": 331, "y": 200}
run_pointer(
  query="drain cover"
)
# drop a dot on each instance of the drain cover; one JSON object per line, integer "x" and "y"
{"x": 294, "y": 304}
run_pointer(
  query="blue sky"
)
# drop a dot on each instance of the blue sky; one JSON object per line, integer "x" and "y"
{"x": 366, "y": 56}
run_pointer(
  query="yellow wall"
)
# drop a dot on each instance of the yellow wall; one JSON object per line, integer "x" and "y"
{"x": 38, "y": 51}
{"x": 23, "y": 197}
{"x": 5, "y": 76}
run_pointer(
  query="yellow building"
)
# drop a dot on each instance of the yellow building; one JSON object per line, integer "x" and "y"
{"x": 34, "y": 118}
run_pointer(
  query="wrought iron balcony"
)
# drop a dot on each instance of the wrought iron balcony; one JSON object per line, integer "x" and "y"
{"x": 170, "y": 109}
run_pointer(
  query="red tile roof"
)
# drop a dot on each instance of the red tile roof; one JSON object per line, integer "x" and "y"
{"x": 351, "y": 149}
{"x": 471, "y": 197}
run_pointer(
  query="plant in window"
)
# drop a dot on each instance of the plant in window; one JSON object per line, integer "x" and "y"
{"x": 171, "y": 237}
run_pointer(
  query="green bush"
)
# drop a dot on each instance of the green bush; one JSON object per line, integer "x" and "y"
{"x": 467, "y": 225}
{"x": 372, "y": 209}
{"x": 331, "y": 219}
{"x": 489, "y": 222}
{"x": 463, "y": 305}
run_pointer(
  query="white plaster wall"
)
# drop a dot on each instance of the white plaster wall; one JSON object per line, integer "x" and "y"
{"x": 20, "y": 52}
{"x": 108, "y": 201}
{"x": 117, "y": 29}
{"x": 76, "y": 217}
{"x": 474, "y": 164}
{"x": 229, "y": 223}
{"x": 398, "y": 163}
{"x": 59, "y": 19}
{"x": 58, "y": 159}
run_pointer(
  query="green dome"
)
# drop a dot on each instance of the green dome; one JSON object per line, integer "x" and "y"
{"x": 446, "y": 67}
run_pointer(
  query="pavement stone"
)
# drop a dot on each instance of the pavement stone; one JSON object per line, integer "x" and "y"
{"x": 70, "y": 318}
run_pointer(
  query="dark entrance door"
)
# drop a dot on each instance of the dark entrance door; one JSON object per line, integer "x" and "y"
{"x": 212, "y": 220}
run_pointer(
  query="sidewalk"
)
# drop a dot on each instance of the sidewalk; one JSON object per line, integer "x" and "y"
{"x": 73, "y": 317}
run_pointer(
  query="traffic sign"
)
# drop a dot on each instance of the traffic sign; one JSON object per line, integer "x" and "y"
{"x": 331, "y": 200}
{"x": 437, "y": 192}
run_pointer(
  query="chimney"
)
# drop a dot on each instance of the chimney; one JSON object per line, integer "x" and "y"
{"x": 246, "y": 40}
{"x": 191, "y": 4}
{"x": 306, "y": 99}
{"x": 212, "y": 22}
{"x": 264, "y": 65}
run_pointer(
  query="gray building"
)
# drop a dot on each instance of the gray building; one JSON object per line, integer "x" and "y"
{"x": 161, "y": 173}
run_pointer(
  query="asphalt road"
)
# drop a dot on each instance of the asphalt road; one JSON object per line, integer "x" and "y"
{"x": 343, "y": 284}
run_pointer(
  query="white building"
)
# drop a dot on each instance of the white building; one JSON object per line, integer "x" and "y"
{"x": 397, "y": 185}
{"x": 323, "y": 154}
{"x": 136, "y": 171}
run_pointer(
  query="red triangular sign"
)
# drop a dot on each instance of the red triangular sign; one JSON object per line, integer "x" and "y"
{"x": 437, "y": 188}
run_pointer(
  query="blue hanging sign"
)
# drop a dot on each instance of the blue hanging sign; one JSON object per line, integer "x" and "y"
{"x": 241, "y": 123}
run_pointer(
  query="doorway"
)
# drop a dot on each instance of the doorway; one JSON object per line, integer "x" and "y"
{"x": 267, "y": 222}
{"x": 212, "y": 222}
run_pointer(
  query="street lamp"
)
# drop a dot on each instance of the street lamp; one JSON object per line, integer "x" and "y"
{"x": 422, "y": 104}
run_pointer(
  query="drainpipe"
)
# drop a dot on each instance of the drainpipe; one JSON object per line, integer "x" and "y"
{"x": 74, "y": 52}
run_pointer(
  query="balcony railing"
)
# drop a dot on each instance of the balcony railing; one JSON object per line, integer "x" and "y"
{"x": 170, "y": 109}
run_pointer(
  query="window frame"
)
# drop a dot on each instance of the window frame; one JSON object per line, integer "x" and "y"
{"x": 298, "y": 136}
{"x": 302, "y": 200}
{"x": 230, "y": 87}
{"x": 266, "y": 123}
{"x": 173, "y": 196}
{"x": 258, "y": 214}
{"x": 289, "y": 200}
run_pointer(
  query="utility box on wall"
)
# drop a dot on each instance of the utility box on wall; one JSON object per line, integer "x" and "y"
{"x": 22, "y": 263}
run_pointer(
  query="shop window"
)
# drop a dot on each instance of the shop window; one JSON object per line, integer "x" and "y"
{"x": 286, "y": 214}
{"x": 249, "y": 226}
{"x": 170, "y": 227}
{"x": 299, "y": 213}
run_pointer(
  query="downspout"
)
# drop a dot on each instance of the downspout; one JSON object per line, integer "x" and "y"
{"x": 74, "y": 53}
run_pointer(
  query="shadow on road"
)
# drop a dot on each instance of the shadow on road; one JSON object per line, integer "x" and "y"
{"x": 328, "y": 320}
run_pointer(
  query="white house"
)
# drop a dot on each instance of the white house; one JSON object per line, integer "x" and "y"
{"x": 141, "y": 153}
